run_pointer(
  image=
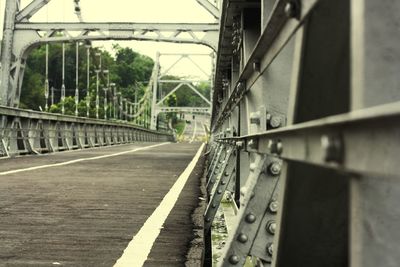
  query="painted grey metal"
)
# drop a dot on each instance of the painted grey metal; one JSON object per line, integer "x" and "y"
{"x": 220, "y": 186}
{"x": 30, "y": 132}
{"x": 312, "y": 85}
{"x": 157, "y": 105}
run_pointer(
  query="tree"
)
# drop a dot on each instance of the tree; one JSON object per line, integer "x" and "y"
{"x": 128, "y": 70}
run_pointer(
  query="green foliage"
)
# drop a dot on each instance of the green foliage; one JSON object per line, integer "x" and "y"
{"x": 185, "y": 96}
{"x": 180, "y": 127}
{"x": 128, "y": 69}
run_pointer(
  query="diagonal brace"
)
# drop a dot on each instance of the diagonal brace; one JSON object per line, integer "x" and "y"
{"x": 31, "y": 10}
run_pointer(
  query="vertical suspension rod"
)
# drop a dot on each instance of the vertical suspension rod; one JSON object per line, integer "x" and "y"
{"x": 76, "y": 78}
{"x": 63, "y": 80}
{"x": 46, "y": 83}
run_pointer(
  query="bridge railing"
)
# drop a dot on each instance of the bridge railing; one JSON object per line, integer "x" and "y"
{"x": 32, "y": 132}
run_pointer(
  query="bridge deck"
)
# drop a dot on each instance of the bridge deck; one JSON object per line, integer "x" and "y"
{"x": 85, "y": 213}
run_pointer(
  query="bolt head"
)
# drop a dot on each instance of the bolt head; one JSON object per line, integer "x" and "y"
{"x": 234, "y": 259}
{"x": 273, "y": 206}
{"x": 250, "y": 218}
{"x": 270, "y": 248}
{"x": 242, "y": 238}
{"x": 271, "y": 227}
{"x": 275, "y": 122}
{"x": 275, "y": 168}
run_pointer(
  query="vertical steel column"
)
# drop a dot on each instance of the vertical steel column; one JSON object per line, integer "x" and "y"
{"x": 153, "y": 116}
{"x": 11, "y": 9}
{"x": 375, "y": 68}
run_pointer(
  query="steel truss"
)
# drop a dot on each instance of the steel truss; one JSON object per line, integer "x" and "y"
{"x": 305, "y": 130}
{"x": 158, "y": 105}
{"x": 20, "y": 36}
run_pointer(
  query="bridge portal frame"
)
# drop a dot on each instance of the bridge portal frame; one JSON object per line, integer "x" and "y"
{"x": 157, "y": 104}
{"x": 20, "y": 36}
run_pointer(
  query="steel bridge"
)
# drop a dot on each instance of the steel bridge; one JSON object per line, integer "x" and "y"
{"x": 300, "y": 163}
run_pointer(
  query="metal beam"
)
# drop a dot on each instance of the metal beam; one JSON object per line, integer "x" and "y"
{"x": 213, "y": 10}
{"x": 117, "y": 26}
{"x": 30, "y": 10}
{"x": 198, "y": 93}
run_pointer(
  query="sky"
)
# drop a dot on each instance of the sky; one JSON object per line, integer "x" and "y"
{"x": 177, "y": 11}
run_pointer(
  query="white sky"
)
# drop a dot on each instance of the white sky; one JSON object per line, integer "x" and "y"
{"x": 178, "y": 11}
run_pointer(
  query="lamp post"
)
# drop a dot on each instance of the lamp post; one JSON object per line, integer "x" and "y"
{"x": 99, "y": 56}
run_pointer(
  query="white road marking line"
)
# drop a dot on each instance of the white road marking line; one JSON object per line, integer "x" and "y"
{"x": 79, "y": 160}
{"x": 140, "y": 246}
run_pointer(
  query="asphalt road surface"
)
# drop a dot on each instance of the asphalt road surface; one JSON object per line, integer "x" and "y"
{"x": 84, "y": 208}
{"x": 194, "y": 130}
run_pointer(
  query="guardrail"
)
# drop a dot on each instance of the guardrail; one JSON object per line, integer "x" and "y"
{"x": 31, "y": 132}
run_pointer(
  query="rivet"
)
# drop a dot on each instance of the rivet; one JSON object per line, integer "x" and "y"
{"x": 271, "y": 227}
{"x": 270, "y": 249}
{"x": 291, "y": 10}
{"x": 253, "y": 166}
{"x": 223, "y": 182}
{"x": 242, "y": 238}
{"x": 219, "y": 191}
{"x": 273, "y": 206}
{"x": 226, "y": 174}
{"x": 243, "y": 190}
{"x": 213, "y": 205}
{"x": 250, "y": 218}
{"x": 233, "y": 259}
{"x": 275, "y": 168}
{"x": 208, "y": 220}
